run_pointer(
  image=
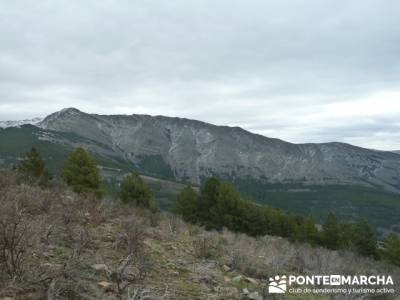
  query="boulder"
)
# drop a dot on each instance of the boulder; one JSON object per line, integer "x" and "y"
{"x": 99, "y": 267}
{"x": 251, "y": 280}
{"x": 226, "y": 268}
{"x": 105, "y": 285}
{"x": 237, "y": 278}
{"x": 255, "y": 296}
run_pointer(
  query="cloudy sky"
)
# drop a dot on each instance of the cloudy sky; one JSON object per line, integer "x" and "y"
{"x": 303, "y": 71}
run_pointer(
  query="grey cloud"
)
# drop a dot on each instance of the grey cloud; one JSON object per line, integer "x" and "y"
{"x": 269, "y": 66}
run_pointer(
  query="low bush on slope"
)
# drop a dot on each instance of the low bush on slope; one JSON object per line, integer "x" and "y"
{"x": 73, "y": 246}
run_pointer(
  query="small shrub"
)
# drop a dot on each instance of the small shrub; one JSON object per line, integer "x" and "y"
{"x": 154, "y": 218}
{"x": 173, "y": 223}
{"x": 391, "y": 249}
{"x": 132, "y": 237}
{"x": 134, "y": 190}
{"x": 81, "y": 238}
{"x": 8, "y": 178}
{"x": 131, "y": 270}
{"x": 242, "y": 254}
{"x": 207, "y": 245}
{"x": 15, "y": 238}
{"x": 193, "y": 230}
{"x": 151, "y": 218}
{"x": 134, "y": 231}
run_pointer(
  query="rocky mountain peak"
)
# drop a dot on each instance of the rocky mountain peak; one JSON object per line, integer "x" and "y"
{"x": 59, "y": 116}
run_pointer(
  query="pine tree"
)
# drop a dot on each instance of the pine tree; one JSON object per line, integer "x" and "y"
{"x": 294, "y": 227}
{"x": 33, "y": 166}
{"x": 308, "y": 231}
{"x": 225, "y": 212}
{"x": 331, "y": 232}
{"x": 347, "y": 235}
{"x": 135, "y": 191}
{"x": 209, "y": 190}
{"x": 220, "y": 205}
{"x": 253, "y": 221}
{"x": 365, "y": 239}
{"x": 81, "y": 173}
{"x": 208, "y": 199}
{"x": 187, "y": 205}
{"x": 391, "y": 249}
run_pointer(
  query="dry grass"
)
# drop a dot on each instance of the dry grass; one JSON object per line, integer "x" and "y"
{"x": 60, "y": 236}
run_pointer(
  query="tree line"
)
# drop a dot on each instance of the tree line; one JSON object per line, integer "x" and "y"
{"x": 219, "y": 205}
{"x": 81, "y": 173}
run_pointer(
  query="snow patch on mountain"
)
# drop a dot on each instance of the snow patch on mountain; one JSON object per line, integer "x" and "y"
{"x": 18, "y": 123}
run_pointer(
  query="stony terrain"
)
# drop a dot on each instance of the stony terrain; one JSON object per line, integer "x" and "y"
{"x": 191, "y": 150}
{"x": 85, "y": 248}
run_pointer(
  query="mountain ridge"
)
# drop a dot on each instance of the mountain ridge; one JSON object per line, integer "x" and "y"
{"x": 195, "y": 149}
{"x": 188, "y": 151}
{"x": 17, "y": 123}
{"x": 41, "y": 123}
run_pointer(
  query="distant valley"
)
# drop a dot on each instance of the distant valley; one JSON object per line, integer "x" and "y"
{"x": 306, "y": 178}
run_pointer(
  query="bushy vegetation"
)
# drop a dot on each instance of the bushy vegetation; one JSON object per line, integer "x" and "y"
{"x": 16, "y": 141}
{"x": 391, "y": 249}
{"x": 135, "y": 191}
{"x": 33, "y": 167}
{"x": 381, "y": 208}
{"x": 81, "y": 173}
{"x": 47, "y": 238}
{"x": 219, "y": 205}
{"x": 80, "y": 246}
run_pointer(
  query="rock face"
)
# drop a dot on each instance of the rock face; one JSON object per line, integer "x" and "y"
{"x": 193, "y": 150}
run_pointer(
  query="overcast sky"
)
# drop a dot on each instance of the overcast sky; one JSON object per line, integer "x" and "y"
{"x": 302, "y": 71}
